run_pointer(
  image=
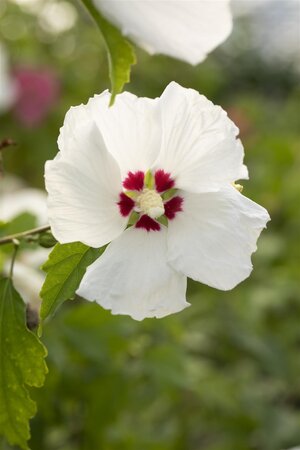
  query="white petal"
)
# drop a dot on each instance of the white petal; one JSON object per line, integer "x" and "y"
{"x": 83, "y": 188}
{"x": 184, "y": 29}
{"x": 132, "y": 277}
{"x": 199, "y": 145}
{"x": 77, "y": 131}
{"x": 213, "y": 238}
{"x": 131, "y": 129}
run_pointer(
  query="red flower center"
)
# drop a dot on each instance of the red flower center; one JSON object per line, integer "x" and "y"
{"x": 148, "y": 195}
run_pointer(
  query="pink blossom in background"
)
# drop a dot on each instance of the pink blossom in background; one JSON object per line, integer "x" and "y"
{"x": 38, "y": 91}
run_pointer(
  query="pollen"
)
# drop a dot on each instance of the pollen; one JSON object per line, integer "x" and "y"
{"x": 150, "y": 202}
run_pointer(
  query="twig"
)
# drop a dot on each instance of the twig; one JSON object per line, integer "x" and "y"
{"x": 3, "y": 145}
{"x": 7, "y": 143}
{"x": 24, "y": 234}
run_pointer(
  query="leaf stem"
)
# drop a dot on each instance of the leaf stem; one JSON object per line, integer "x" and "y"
{"x": 24, "y": 234}
{"x": 13, "y": 258}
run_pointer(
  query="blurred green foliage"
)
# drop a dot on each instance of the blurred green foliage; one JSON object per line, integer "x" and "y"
{"x": 224, "y": 374}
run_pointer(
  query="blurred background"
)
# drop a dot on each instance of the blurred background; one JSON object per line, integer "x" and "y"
{"x": 224, "y": 374}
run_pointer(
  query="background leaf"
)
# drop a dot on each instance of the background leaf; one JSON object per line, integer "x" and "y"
{"x": 21, "y": 363}
{"x": 65, "y": 268}
{"x": 120, "y": 52}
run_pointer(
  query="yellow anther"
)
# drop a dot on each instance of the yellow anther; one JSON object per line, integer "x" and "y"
{"x": 238, "y": 187}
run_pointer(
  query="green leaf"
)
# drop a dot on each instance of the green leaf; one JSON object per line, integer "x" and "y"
{"x": 65, "y": 268}
{"x": 21, "y": 363}
{"x": 121, "y": 54}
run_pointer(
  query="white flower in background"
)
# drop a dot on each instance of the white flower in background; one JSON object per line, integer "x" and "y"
{"x": 7, "y": 86}
{"x": 28, "y": 200}
{"x": 240, "y": 8}
{"x": 183, "y": 29}
{"x": 270, "y": 29}
{"x": 57, "y": 17}
{"x": 16, "y": 200}
{"x": 27, "y": 276}
{"x": 166, "y": 166}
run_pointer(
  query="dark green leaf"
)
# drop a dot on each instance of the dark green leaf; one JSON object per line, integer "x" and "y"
{"x": 21, "y": 363}
{"x": 120, "y": 52}
{"x": 65, "y": 268}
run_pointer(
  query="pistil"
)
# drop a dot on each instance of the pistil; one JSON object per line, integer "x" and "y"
{"x": 150, "y": 202}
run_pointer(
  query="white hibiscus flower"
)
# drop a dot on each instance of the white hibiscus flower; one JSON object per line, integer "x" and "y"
{"x": 15, "y": 199}
{"x": 183, "y": 29}
{"x": 165, "y": 167}
{"x": 7, "y": 85}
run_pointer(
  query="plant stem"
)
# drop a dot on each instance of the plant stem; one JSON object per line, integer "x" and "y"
{"x": 23, "y": 234}
{"x": 13, "y": 258}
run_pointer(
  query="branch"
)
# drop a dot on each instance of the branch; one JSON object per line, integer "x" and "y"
{"x": 6, "y": 143}
{"x": 24, "y": 234}
{"x": 3, "y": 145}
